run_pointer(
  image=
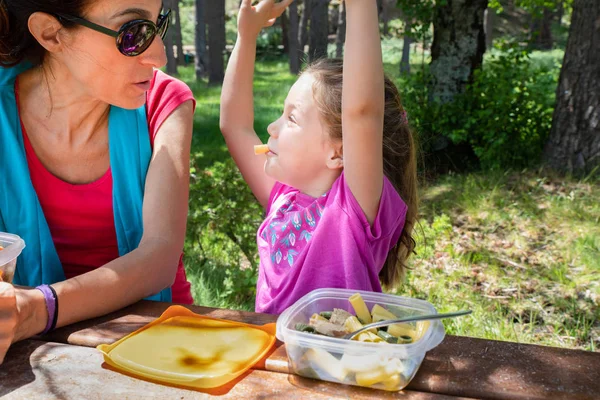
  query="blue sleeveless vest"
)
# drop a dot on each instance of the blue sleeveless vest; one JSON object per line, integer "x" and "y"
{"x": 20, "y": 210}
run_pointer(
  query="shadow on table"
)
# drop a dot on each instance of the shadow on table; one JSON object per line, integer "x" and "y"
{"x": 16, "y": 371}
{"x": 470, "y": 367}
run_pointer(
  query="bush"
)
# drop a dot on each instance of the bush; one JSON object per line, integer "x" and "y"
{"x": 222, "y": 224}
{"x": 504, "y": 115}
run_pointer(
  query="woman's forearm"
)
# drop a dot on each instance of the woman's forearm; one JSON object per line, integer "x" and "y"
{"x": 123, "y": 281}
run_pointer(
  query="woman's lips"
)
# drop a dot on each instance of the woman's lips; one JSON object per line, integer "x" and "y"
{"x": 145, "y": 85}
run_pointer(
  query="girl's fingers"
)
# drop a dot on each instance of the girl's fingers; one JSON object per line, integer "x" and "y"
{"x": 264, "y": 5}
{"x": 270, "y": 22}
{"x": 281, "y": 6}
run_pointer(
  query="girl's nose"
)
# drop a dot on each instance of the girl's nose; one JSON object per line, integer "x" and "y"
{"x": 272, "y": 128}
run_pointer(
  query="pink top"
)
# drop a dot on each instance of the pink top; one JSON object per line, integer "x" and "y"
{"x": 306, "y": 243}
{"x": 80, "y": 217}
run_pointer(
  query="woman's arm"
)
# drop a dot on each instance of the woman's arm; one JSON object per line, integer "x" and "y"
{"x": 363, "y": 105}
{"x": 237, "y": 102}
{"x": 146, "y": 270}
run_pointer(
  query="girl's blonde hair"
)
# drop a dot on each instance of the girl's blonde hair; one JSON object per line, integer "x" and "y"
{"x": 399, "y": 153}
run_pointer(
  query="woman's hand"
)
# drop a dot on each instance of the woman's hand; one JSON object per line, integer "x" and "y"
{"x": 251, "y": 19}
{"x": 8, "y": 317}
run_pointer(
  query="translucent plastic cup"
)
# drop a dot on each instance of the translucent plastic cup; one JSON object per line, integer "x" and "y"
{"x": 376, "y": 365}
{"x": 12, "y": 246}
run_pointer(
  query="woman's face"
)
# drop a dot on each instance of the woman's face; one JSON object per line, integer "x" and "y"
{"x": 97, "y": 67}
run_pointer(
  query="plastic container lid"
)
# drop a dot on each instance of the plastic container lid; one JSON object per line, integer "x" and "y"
{"x": 190, "y": 350}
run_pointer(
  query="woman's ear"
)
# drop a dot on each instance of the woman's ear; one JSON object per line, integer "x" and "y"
{"x": 45, "y": 28}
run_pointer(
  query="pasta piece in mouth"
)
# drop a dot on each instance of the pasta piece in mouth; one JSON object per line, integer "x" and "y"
{"x": 261, "y": 149}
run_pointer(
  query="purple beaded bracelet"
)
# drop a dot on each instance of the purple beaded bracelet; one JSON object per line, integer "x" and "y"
{"x": 51, "y": 305}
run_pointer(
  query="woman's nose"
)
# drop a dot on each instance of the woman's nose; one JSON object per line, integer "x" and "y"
{"x": 155, "y": 55}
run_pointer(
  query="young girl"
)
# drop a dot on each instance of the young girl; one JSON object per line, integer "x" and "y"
{"x": 339, "y": 180}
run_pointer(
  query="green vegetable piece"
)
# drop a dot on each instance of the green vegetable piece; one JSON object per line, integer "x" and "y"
{"x": 325, "y": 314}
{"x": 387, "y": 337}
{"x": 305, "y": 328}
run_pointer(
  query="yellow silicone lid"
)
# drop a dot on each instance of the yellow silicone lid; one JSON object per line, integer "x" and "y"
{"x": 186, "y": 349}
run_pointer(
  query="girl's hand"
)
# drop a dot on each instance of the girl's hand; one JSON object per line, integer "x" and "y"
{"x": 251, "y": 19}
{"x": 8, "y": 317}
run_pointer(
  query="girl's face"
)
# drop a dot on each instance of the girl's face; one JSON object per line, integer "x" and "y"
{"x": 97, "y": 68}
{"x": 299, "y": 144}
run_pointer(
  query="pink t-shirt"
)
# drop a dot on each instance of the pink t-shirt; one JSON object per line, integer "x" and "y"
{"x": 80, "y": 217}
{"x": 306, "y": 243}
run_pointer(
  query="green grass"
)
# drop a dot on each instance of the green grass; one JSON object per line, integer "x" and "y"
{"x": 519, "y": 248}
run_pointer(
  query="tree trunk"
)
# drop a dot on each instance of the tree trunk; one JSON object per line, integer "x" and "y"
{"x": 283, "y": 20}
{"x": 458, "y": 46}
{"x": 215, "y": 13}
{"x": 201, "y": 58}
{"x": 303, "y": 38}
{"x": 489, "y": 24}
{"x": 171, "y": 60}
{"x": 574, "y": 143}
{"x": 405, "y": 61}
{"x": 541, "y": 30}
{"x": 319, "y": 30}
{"x": 294, "y": 46}
{"x": 560, "y": 12}
{"x": 340, "y": 37}
{"x": 177, "y": 34}
{"x": 385, "y": 17}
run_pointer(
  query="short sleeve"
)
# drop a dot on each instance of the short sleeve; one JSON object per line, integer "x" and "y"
{"x": 391, "y": 214}
{"x": 165, "y": 95}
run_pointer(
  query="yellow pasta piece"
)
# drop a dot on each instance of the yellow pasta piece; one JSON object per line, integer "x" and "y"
{"x": 369, "y": 337}
{"x": 362, "y": 312}
{"x": 392, "y": 383}
{"x": 261, "y": 149}
{"x": 422, "y": 327}
{"x": 382, "y": 313}
{"x": 317, "y": 317}
{"x": 323, "y": 360}
{"x": 369, "y": 378}
{"x": 361, "y": 363}
{"x": 402, "y": 330}
{"x": 352, "y": 324}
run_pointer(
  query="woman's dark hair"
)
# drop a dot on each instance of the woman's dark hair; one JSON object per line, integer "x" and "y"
{"x": 16, "y": 42}
{"x": 399, "y": 152}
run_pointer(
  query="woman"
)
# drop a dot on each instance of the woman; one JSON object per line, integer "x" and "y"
{"x": 94, "y": 161}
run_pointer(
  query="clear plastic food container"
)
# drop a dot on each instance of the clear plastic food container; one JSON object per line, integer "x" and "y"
{"x": 12, "y": 246}
{"x": 376, "y": 365}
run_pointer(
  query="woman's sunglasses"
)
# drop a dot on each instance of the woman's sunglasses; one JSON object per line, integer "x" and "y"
{"x": 134, "y": 37}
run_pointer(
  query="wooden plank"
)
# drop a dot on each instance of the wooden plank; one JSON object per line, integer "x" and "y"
{"x": 459, "y": 366}
{"x": 46, "y": 370}
{"x": 463, "y": 366}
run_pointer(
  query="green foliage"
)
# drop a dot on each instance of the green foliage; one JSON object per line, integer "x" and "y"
{"x": 222, "y": 223}
{"x": 505, "y": 114}
{"x": 420, "y": 13}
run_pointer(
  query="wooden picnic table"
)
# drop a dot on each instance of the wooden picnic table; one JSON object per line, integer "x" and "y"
{"x": 65, "y": 365}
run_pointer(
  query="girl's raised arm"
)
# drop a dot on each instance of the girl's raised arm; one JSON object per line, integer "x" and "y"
{"x": 237, "y": 102}
{"x": 363, "y": 105}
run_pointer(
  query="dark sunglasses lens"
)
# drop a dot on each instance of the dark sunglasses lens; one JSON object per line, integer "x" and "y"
{"x": 136, "y": 38}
